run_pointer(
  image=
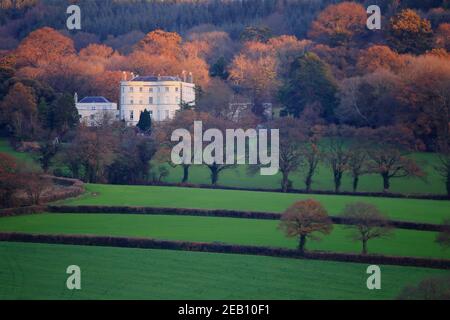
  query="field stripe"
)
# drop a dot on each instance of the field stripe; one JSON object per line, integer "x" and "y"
{"x": 223, "y": 213}
{"x": 148, "y": 243}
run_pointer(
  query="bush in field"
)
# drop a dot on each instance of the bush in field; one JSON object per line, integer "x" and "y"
{"x": 428, "y": 289}
{"x": 443, "y": 238}
{"x": 303, "y": 219}
{"x": 9, "y": 183}
{"x": 367, "y": 223}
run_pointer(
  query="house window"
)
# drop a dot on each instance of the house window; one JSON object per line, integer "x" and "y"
{"x": 140, "y": 89}
{"x": 167, "y": 89}
{"x": 131, "y": 102}
{"x": 167, "y": 114}
{"x": 93, "y": 108}
{"x": 131, "y": 115}
{"x": 150, "y": 89}
{"x": 123, "y": 89}
{"x": 131, "y": 89}
{"x": 176, "y": 89}
{"x": 140, "y": 101}
{"x": 150, "y": 100}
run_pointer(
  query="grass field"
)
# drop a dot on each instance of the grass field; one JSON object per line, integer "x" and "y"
{"x": 213, "y": 229}
{"x": 401, "y": 209}
{"x": 22, "y": 156}
{"x": 323, "y": 180}
{"x": 38, "y": 271}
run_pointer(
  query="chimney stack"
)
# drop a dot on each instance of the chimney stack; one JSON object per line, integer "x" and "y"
{"x": 183, "y": 75}
{"x": 75, "y": 97}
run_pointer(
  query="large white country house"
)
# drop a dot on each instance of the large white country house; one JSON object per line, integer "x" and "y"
{"x": 161, "y": 95}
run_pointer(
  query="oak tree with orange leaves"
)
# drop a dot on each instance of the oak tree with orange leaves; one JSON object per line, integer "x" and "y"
{"x": 409, "y": 33}
{"x": 339, "y": 24}
{"x": 304, "y": 219}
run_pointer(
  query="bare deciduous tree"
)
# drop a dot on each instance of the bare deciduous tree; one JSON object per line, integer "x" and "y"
{"x": 366, "y": 221}
{"x": 35, "y": 186}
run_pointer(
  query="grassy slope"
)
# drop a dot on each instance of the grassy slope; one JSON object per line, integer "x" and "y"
{"x": 210, "y": 229}
{"x": 400, "y": 209}
{"x": 323, "y": 180}
{"x": 37, "y": 271}
{"x": 22, "y": 156}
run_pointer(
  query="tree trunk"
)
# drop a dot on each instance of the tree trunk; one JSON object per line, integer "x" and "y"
{"x": 355, "y": 183}
{"x": 185, "y": 173}
{"x": 214, "y": 175}
{"x": 301, "y": 244}
{"x": 364, "y": 247}
{"x": 308, "y": 182}
{"x": 386, "y": 182}
{"x": 448, "y": 184}
{"x": 337, "y": 182}
{"x": 285, "y": 182}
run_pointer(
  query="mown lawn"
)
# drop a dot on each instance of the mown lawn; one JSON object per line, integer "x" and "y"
{"x": 431, "y": 211}
{"x": 213, "y": 229}
{"x": 38, "y": 271}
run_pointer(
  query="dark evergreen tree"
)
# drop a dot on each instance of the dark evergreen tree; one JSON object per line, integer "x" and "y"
{"x": 145, "y": 122}
{"x": 310, "y": 82}
{"x": 62, "y": 114}
{"x": 219, "y": 69}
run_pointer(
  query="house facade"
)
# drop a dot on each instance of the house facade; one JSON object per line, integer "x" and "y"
{"x": 161, "y": 95}
{"x": 95, "y": 110}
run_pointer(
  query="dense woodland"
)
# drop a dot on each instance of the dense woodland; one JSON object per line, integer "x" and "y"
{"x": 327, "y": 76}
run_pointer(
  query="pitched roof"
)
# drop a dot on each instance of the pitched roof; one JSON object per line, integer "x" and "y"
{"x": 156, "y": 79}
{"x": 94, "y": 100}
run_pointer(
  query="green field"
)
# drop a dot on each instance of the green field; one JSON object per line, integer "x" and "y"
{"x": 213, "y": 229}
{"x": 38, "y": 271}
{"x": 323, "y": 180}
{"x": 431, "y": 211}
{"x": 5, "y": 147}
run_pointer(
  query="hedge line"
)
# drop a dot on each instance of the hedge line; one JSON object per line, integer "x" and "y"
{"x": 222, "y": 213}
{"x": 146, "y": 243}
{"x": 303, "y": 191}
{"x": 21, "y": 211}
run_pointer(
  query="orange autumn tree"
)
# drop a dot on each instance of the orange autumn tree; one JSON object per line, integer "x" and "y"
{"x": 44, "y": 46}
{"x": 339, "y": 24}
{"x": 377, "y": 57}
{"x": 409, "y": 33}
{"x": 304, "y": 219}
{"x": 18, "y": 110}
